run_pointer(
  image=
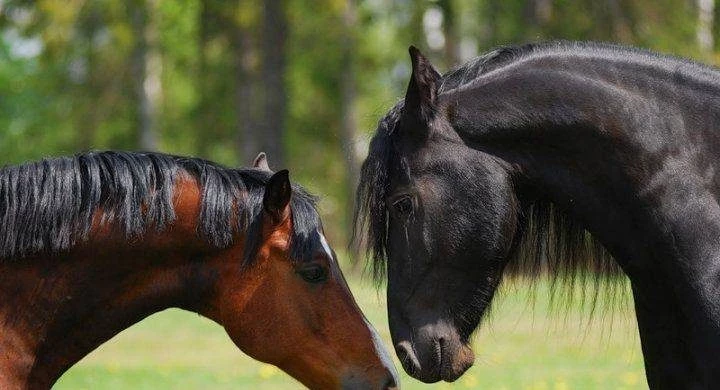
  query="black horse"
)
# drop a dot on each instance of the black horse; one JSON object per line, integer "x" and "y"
{"x": 519, "y": 161}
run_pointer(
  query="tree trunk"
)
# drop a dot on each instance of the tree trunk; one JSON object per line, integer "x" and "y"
{"x": 706, "y": 10}
{"x": 491, "y": 38}
{"x": 622, "y": 26}
{"x": 538, "y": 12}
{"x": 204, "y": 114}
{"x": 348, "y": 110}
{"x": 272, "y": 126}
{"x": 246, "y": 121}
{"x": 417, "y": 29}
{"x": 451, "y": 32}
{"x": 90, "y": 116}
{"x": 147, "y": 69}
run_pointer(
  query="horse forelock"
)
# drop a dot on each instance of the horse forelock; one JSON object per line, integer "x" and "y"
{"x": 370, "y": 217}
{"x": 48, "y": 206}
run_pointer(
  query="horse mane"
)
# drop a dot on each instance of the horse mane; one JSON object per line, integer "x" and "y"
{"x": 485, "y": 63}
{"x": 679, "y": 69}
{"x": 48, "y": 206}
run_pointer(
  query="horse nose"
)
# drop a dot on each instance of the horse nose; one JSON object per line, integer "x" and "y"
{"x": 435, "y": 358}
{"x": 391, "y": 382}
{"x": 387, "y": 380}
{"x": 408, "y": 358}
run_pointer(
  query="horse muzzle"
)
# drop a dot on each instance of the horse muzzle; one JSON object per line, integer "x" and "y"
{"x": 386, "y": 382}
{"x": 436, "y": 353}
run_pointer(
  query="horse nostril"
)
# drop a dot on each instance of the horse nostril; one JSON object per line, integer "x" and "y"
{"x": 439, "y": 346}
{"x": 402, "y": 352}
{"x": 407, "y": 357}
{"x": 390, "y": 382}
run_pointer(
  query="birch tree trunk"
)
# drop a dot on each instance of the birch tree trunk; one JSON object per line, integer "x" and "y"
{"x": 272, "y": 80}
{"x": 87, "y": 123}
{"x": 451, "y": 32}
{"x": 706, "y": 10}
{"x": 349, "y": 131}
{"x": 246, "y": 123}
{"x": 147, "y": 68}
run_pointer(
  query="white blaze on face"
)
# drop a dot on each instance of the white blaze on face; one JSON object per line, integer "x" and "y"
{"x": 383, "y": 353}
{"x": 325, "y": 246}
{"x": 380, "y": 349}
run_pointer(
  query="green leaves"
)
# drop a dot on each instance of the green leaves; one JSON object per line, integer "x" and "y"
{"x": 77, "y": 93}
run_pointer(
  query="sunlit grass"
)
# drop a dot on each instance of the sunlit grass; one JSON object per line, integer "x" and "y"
{"x": 523, "y": 346}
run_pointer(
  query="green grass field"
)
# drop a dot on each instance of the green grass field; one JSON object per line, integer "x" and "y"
{"x": 523, "y": 346}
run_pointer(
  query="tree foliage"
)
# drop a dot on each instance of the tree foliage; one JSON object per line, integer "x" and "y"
{"x": 305, "y": 80}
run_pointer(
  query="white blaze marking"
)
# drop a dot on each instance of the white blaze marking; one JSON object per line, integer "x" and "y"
{"x": 380, "y": 349}
{"x": 383, "y": 353}
{"x": 325, "y": 246}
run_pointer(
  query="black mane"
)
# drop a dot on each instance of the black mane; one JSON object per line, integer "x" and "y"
{"x": 370, "y": 217}
{"x": 47, "y": 206}
{"x": 494, "y": 59}
{"x": 497, "y": 58}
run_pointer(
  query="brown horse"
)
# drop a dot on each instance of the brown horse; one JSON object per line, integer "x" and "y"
{"x": 92, "y": 244}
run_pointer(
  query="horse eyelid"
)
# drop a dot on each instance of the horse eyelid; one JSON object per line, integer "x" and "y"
{"x": 314, "y": 273}
{"x": 398, "y": 204}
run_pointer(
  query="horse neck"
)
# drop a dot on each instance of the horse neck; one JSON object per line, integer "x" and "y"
{"x": 611, "y": 144}
{"x": 59, "y": 308}
{"x": 630, "y": 152}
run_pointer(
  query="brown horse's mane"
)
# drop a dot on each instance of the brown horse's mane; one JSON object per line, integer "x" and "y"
{"x": 47, "y": 206}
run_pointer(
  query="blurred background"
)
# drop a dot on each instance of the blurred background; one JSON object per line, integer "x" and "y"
{"x": 305, "y": 81}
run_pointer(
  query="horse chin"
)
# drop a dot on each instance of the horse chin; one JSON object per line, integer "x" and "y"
{"x": 456, "y": 367}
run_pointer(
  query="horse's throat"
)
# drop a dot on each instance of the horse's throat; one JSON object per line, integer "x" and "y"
{"x": 56, "y": 312}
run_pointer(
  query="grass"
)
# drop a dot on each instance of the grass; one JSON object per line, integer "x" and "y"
{"x": 522, "y": 346}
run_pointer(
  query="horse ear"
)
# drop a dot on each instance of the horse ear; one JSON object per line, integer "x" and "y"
{"x": 276, "y": 200}
{"x": 260, "y": 162}
{"x": 421, "y": 94}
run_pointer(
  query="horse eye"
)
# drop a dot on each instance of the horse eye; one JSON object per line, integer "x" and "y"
{"x": 403, "y": 205}
{"x": 313, "y": 273}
